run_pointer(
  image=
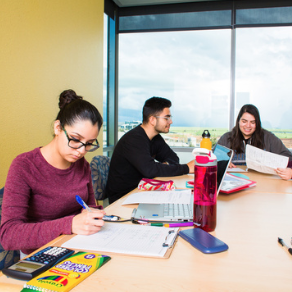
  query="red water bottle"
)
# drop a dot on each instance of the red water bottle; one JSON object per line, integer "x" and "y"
{"x": 205, "y": 189}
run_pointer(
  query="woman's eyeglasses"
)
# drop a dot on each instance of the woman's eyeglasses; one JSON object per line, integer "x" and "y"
{"x": 76, "y": 144}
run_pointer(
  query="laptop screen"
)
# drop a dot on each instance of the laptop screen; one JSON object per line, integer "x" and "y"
{"x": 224, "y": 156}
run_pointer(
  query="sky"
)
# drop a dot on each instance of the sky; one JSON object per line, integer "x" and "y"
{"x": 192, "y": 69}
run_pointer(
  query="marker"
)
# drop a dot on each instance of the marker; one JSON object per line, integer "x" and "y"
{"x": 179, "y": 224}
{"x": 82, "y": 203}
{"x": 281, "y": 241}
{"x": 155, "y": 224}
{"x": 145, "y": 223}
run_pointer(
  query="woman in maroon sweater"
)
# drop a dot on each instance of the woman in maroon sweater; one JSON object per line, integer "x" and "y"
{"x": 39, "y": 196}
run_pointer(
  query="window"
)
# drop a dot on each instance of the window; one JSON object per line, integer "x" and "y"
{"x": 208, "y": 58}
{"x": 191, "y": 68}
{"x": 263, "y": 76}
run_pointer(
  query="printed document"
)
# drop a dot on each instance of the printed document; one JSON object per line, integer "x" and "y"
{"x": 159, "y": 197}
{"x": 264, "y": 161}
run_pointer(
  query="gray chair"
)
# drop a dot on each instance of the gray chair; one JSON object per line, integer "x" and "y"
{"x": 7, "y": 257}
{"x": 99, "y": 166}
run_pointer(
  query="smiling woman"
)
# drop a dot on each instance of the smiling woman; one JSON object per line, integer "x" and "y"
{"x": 39, "y": 197}
{"x": 248, "y": 130}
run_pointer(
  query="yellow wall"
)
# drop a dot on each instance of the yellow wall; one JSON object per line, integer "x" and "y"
{"x": 46, "y": 46}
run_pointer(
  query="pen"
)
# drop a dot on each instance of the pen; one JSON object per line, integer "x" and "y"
{"x": 82, "y": 203}
{"x": 281, "y": 241}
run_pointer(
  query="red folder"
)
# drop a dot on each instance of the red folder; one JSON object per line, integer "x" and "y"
{"x": 234, "y": 183}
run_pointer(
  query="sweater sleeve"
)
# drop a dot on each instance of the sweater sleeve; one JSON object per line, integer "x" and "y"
{"x": 138, "y": 153}
{"x": 275, "y": 145}
{"x": 223, "y": 140}
{"x": 16, "y": 232}
{"x": 163, "y": 153}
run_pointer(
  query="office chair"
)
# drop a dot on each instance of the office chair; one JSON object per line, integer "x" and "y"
{"x": 99, "y": 166}
{"x": 7, "y": 257}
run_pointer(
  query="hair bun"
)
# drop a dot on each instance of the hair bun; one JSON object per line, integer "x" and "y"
{"x": 67, "y": 96}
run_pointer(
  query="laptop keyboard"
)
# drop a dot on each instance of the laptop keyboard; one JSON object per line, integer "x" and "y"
{"x": 179, "y": 211}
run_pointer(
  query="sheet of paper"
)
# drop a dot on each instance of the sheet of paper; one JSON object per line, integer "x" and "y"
{"x": 264, "y": 161}
{"x": 159, "y": 197}
{"x": 236, "y": 169}
{"x": 126, "y": 239}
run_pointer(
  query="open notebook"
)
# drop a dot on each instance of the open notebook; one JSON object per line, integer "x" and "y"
{"x": 183, "y": 212}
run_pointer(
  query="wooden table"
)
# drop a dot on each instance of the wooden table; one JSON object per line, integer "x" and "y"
{"x": 249, "y": 221}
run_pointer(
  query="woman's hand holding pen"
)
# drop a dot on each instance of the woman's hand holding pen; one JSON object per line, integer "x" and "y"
{"x": 87, "y": 223}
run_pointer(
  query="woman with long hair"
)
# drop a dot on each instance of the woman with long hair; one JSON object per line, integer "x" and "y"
{"x": 248, "y": 130}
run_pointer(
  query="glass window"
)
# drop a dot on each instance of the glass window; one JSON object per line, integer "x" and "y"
{"x": 191, "y": 68}
{"x": 277, "y": 15}
{"x": 263, "y": 76}
{"x": 197, "y": 19}
{"x": 105, "y": 79}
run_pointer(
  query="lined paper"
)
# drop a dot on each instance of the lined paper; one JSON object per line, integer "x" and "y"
{"x": 126, "y": 239}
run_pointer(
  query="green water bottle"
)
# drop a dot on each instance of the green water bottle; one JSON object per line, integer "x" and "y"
{"x": 206, "y": 142}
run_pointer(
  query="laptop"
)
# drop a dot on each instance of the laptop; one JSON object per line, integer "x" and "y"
{"x": 183, "y": 212}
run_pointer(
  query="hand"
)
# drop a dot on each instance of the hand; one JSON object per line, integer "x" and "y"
{"x": 191, "y": 166}
{"x": 284, "y": 173}
{"x": 87, "y": 223}
{"x": 231, "y": 165}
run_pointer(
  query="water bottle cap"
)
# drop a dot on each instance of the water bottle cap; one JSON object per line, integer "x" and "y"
{"x": 204, "y": 157}
{"x": 206, "y": 134}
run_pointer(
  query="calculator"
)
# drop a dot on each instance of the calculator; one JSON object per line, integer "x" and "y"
{"x": 32, "y": 266}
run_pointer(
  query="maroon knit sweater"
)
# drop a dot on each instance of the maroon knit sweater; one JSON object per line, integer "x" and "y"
{"x": 39, "y": 200}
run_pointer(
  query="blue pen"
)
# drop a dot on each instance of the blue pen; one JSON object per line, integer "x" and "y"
{"x": 82, "y": 203}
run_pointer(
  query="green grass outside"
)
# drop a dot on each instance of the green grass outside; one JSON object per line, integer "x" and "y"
{"x": 217, "y": 132}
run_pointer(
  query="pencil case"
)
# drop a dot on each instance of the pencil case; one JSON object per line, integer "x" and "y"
{"x": 67, "y": 274}
{"x": 147, "y": 184}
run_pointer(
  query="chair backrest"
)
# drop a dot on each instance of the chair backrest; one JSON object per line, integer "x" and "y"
{"x": 99, "y": 172}
{"x": 7, "y": 257}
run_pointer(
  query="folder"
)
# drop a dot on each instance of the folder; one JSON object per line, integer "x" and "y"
{"x": 234, "y": 183}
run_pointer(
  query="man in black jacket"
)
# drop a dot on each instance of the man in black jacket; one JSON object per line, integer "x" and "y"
{"x": 143, "y": 153}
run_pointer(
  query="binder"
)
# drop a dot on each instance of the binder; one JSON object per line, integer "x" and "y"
{"x": 234, "y": 183}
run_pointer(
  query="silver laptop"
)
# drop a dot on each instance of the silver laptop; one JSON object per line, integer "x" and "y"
{"x": 183, "y": 212}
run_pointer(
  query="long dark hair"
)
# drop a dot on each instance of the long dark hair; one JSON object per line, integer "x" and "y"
{"x": 257, "y": 138}
{"x": 73, "y": 108}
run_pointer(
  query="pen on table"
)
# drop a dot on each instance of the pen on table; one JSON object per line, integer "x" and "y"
{"x": 281, "y": 241}
{"x": 82, "y": 203}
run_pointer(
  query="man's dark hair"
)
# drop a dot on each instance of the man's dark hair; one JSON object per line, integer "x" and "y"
{"x": 154, "y": 106}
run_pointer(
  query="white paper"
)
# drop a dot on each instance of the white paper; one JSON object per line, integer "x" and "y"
{"x": 236, "y": 169}
{"x": 264, "y": 161}
{"x": 159, "y": 197}
{"x": 126, "y": 239}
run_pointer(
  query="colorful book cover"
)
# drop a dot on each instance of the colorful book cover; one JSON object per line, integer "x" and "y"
{"x": 67, "y": 274}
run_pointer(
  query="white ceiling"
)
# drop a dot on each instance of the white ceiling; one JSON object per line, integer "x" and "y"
{"x": 128, "y": 3}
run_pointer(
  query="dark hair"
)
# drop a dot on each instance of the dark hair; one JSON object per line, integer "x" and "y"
{"x": 153, "y": 106}
{"x": 74, "y": 108}
{"x": 257, "y": 138}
